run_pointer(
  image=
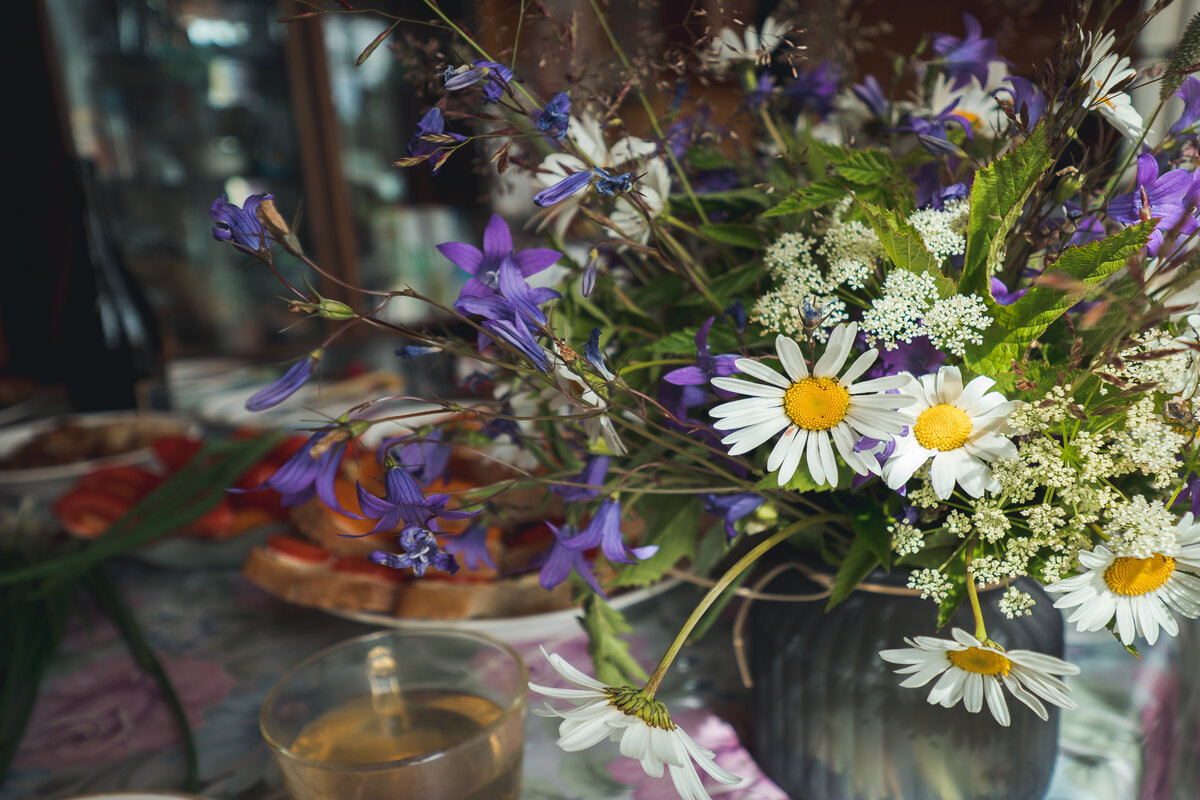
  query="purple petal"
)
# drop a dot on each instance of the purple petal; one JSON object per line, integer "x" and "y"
{"x": 465, "y": 256}
{"x": 283, "y": 388}
{"x": 1147, "y": 169}
{"x": 573, "y": 183}
{"x": 535, "y": 259}
{"x": 497, "y": 239}
{"x": 686, "y": 376}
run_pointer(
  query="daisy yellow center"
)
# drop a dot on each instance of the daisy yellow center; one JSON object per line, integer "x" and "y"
{"x": 942, "y": 427}
{"x": 976, "y": 659}
{"x": 972, "y": 118}
{"x": 816, "y": 404}
{"x": 1136, "y": 576}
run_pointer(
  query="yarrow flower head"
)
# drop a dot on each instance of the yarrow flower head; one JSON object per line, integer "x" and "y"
{"x": 641, "y": 724}
{"x": 814, "y": 411}
{"x": 960, "y": 429}
{"x": 1139, "y": 593}
{"x": 972, "y": 671}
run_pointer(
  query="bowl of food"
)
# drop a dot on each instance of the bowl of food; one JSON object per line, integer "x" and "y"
{"x": 40, "y": 460}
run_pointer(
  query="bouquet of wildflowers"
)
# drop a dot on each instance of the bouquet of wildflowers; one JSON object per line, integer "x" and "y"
{"x": 948, "y": 330}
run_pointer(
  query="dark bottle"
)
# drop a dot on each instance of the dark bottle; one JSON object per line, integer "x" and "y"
{"x": 111, "y": 347}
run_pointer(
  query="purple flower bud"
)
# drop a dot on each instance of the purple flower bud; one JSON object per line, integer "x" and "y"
{"x": 594, "y": 357}
{"x": 572, "y": 184}
{"x": 588, "y": 282}
{"x": 284, "y": 387}
{"x": 240, "y": 225}
{"x": 556, "y": 117}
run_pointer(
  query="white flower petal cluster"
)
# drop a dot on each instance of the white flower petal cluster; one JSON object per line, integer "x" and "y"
{"x": 976, "y": 105}
{"x": 959, "y": 429}
{"x": 1139, "y": 592}
{"x": 1102, "y": 74}
{"x": 594, "y": 718}
{"x": 753, "y": 45}
{"x": 814, "y": 411}
{"x": 973, "y": 671}
{"x": 654, "y": 188}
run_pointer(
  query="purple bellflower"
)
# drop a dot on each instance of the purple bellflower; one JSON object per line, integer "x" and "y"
{"x": 285, "y": 386}
{"x": 1167, "y": 198}
{"x": 555, "y": 117}
{"x": 421, "y": 551}
{"x": 404, "y": 502}
{"x": 240, "y": 225}
{"x": 1026, "y": 99}
{"x": 1189, "y": 93}
{"x": 484, "y": 266}
{"x": 495, "y": 78}
{"x": 595, "y": 356}
{"x": 426, "y": 458}
{"x": 432, "y": 124}
{"x": 593, "y": 475}
{"x": 558, "y": 562}
{"x": 507, "y": 314}
{"x": 872, "y": 96}
{"x": 470, "y": 547}
{"x": 604, "y": 531}
{"x": 815, "y": 89}
{"x": 732, "y": 507}
{"x": 761, "y": 93}
{"x": 606, "y": 184}
{"x": 707, "y": 365}
{"x": 312, "y": 470}
{"x": 967, "y": 56}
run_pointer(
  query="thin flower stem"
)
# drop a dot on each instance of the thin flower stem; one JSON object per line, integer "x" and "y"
{"x": 719, "y": 588}
{"x": 973, "y": 594}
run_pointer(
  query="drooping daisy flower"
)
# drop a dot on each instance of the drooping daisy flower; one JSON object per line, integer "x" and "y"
{"x": 961, "y": 429}
{"x": 972, "y": 671}
{"x": 1101, "y": 75}
{"x": 727, "y": 48}
{"x": 1139, "y": 592}
{"x": 641, "y": 725}
{"x": 811, "y": 409}
{"x": 654, "y": 188}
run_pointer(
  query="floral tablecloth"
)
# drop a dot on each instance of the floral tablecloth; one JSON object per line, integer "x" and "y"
{"x": 100, "y": 724}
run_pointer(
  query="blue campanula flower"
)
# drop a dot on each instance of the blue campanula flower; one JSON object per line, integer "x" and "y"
{"x": 559, "y": 560}
{"x": 967, "y": 56}
{"x": 707, "y": 365}
{"x": 1168, "y": 198}
{"x": 732, "y": 507}
{"x": 595, "y": 356}
{"x": 405, "y": 502}
{"x": 1027, "y": 99}
{"x": 815, "y": 89}
{"x": 470, "y": 547}
{"x": 285, "y": 386}
{"x": 872, "y": 96}
{"x": 495, "y": 78}
{"x": 507, "y": 315}
{"x": 593, "y": 475}
{"x": 240, "y": 225}
{"x": 313, "y": 468}
{"x": 432, "y": 124}
{"x": 1189, "y": 93}
{"x": 761, "y": 93}
{"x": 556, "y": 116}
{"x": 604, "y": 531}
{"x": 736, "y": 312}
{"x": 426, "y": 458}
{"x": 484, "y": 266}
{"x": 421, "y": 551}
{"x": 588, "y": 282}
{"x": 606, "y": 184}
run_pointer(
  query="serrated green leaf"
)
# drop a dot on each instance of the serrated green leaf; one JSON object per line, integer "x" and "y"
{"x": 734, "y": 234}
{"x": 1016, "y": 326}
{"x": 997, "y": 199}
{"x": 672, "y": 526}
{"x": 856, "y": 566}
{"x": 904, "y": 245}
{"x": 809, "y": 198}
{"x": 609, "y": 652}
{"x": 867, "y": 167}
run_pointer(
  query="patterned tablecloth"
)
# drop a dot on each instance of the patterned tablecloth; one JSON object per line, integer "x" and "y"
{"x": 100, "y": 724}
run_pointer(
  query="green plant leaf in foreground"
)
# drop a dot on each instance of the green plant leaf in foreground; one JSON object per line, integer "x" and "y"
{"x": 672, "y": 527}
{"x": 904, "y": 246}
{"x": 609, "y": 652}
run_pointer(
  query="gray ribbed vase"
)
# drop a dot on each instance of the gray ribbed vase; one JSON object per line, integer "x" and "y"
{"x": 831, "y": 722}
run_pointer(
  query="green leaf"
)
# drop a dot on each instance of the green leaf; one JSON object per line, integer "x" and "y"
{"x": 672, "y": 525}
{"x": 870, "y": 525}
{"x": 1016, "y": 326}
{"x": 997, "y": 198}
{"x": 958, "y": 593}
{"x": 734, "y": 234}
{"x": 707, "y": 158}
{"x": 866, "y": 167}
{"x": 809, "y": 198}
{"x": 904, "y": 245}
{"x": 735, "y": 200}
{"x": 609, "y": 652}
{"x": 855, "y": 567}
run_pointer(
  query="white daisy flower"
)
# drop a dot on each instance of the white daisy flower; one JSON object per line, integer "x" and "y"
{"x": 654, "y": 187}
{"x": 972, "y": 670}
{"x": 1139, "y": 592}
{"x": 811, "y": 409}
{"x": 641, "y": 725}
{"x": 976, "y": 105}
{"x": 961, "y": 429}
{"x": 1102, "y": 73}
{"x": 727, "y": 48}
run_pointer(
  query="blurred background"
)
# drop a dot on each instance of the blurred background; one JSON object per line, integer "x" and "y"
{"x": 128, "y": 117}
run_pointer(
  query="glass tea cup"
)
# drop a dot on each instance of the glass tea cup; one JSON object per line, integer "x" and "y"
{"x": 436, "y": 715}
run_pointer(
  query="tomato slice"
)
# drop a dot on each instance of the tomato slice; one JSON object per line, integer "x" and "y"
{"x": 176, "y": 451}
{"x": 89, "y": 513}
{"x": 303, "y": 551}
{"x": 356, "y": 565}
{"x": 216, "y": 523}
{"x": 125, "y": 482}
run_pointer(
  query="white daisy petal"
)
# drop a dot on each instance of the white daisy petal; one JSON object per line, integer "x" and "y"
{"x": 739, "y": 386}
{"x": 791, "y": 357}
{"x": 762, "y": 372}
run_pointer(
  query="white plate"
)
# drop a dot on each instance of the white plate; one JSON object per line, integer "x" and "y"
{"x": 529, "y": 628}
